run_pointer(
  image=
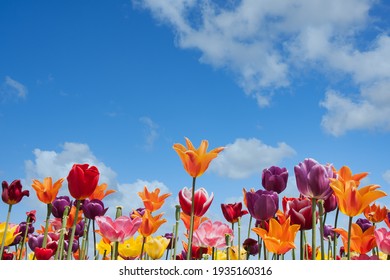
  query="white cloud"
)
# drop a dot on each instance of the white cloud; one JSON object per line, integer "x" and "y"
{"x": 151, "y": 133}
{"x": 58, "y": 164}
{"x": 246, "y": 157}
{"x": 386, "y": 176}
{"x": 263, "y": 42}
{"x": 12, "y": 90}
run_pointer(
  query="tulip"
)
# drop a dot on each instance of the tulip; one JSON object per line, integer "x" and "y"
{"x": 131, "y": 248}
{"x": 93, "y": 208}
{"x": 196, "y": 161}
{"x": 59, "y": 204}
{"x": 100, "y": 192}
{"x": 233, "y": 211}
{"x": 274, "y": 179}
{"x": 299, "y": 211}
{"x": 150, "y": 224}
{"x": 197, "y": 221}
{"x": 155, "y": 247}
{"x": 345, "y": 174}
{"x": 202, "y": 201}
{"x": 43, "y": 253}
{"x": 313, "y": 179}
{"x": 118, "y": 230}
{"x": 8, "y": 234}
{"x": 279, "y": 238}
{"x": 47, "y": 191}
{"x": 382, "y": 237}
{"x": 375, "y": 213}
{"x": 12, "y": 193}
{"x": 351, "y": 200}
{"x": 329, "y": 233}
{"x": 152, "y": 200}
{"x": 82, "y": 180}
{"x": 330, "y": 204}
{"x": 360, "y": 242}
{"x": 251, "y": 246}
{"x": 262, "y": 205}
{"x": 364, "y": 224}
{"x": 212, "y": 234}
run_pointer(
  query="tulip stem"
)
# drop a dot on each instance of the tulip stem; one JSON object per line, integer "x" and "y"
{"x": 142, "y": 248}
{"x": 60, "y": 247}
{"x": 84, "y": 244}
{"x": 189, "y": 250}
{"x": 302, "y": 245}
{"x": 239, "y": 237}
{"x": 5, "y": 231}
{"x": 335, "y": 235}
{"x": 94, "y": 238}
{"x": 321, "y": 214}
{"x": 21, "y": 247}
{"x": 349, "y": 238}
{"x": 177, "y": 217}
{"x": 48, "y": 213}
{"x": 71, "y": 239}
{"x": 249, "y": 227}
{"x": 313, "y": 232}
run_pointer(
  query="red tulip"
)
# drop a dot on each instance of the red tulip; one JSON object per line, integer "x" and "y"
{"x": 13, "y": 194}
{"x": 233, "y": 211}
{"x": 82, "y": 180}
{"x": 202, "y": 201}
{"x": 43, "y": 253}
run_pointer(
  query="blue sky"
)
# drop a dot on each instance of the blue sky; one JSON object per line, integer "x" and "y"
{"x": 117, "y": 83}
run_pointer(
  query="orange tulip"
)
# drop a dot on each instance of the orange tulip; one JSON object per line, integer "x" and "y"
{"x": 279, "y": 238}
{"x": 196, "y": 161}
{"x": 197, "y": 220}
{"x": 71, "y": 217}
{"x": 100, "y": 192}
{"x": 361, "y": 242}
{"x": 152, "y": 201}
{"x": 374, "y": 213}
{"x": 351, "y": 200}
{"x": 345, "y": 174}
{"x": 46, "y": 191}
{"x": 149, "y": 223}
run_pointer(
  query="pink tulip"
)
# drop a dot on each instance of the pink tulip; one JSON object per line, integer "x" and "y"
{"x": 212, "y": 234}
{"x": 202, "y": 201}
{"x": 119, "y": 230}
{"x": 382, "y": 237}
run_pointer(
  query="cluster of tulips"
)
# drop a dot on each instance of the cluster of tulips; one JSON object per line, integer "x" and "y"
{"x": 77, "y": 222}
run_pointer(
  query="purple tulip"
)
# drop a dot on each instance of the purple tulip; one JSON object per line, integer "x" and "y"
{"x": 59, "y": 204}
{"x": 93, "y": 208}
{"x": 251, "y": 246}
{"x": 274, "y": 179}
{"x": 329, "y": 234}
{"x": 330, "y": 204}
{"x": 364, "y": 224}
{"x": 35, "y": 241}
{"x": 262, "y": 205}
{"x": 313, "y": 179}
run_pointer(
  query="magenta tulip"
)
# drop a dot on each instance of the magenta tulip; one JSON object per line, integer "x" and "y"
{"x": 382, "y": 237}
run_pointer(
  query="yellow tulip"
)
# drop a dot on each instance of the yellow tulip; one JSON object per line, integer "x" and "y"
{"x": 103, "y": 247}
{"x": 156, "y": 246}
{"x": 131, "y": 248}
{"x": 9, "y": 235}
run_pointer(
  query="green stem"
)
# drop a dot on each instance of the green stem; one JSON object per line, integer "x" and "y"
{"x": 302, "y": 245}
{"x": 321, "y": 214}
{"x": 176, "y": 229}
{"x": 189, "y": 251}
{"x": 349, "y": 238}
{"x": 5, "y": 231}
{"x": 250, "y": 225}
{"x": 24, "y": 239}
{"x": 84, "y": 248}
{"x": 239, "y": 237}
{"x": 48, "y": 213}
{"x": 313, "y": 232}
{"x": 142, "y": 248}
{"x": 227, "y": 241}
{"x": 60, "y": 248}
{"x": 335, "y": 236}
{"x": 71, "y": 239}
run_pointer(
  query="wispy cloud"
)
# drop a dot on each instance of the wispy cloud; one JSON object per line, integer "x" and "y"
{"x": 246, "y": 157}
{"x": 150, "y": 132}
{"x": 268, "y": 44}
{"x": 386, "y": 176}
{"x": 11, "y": 89}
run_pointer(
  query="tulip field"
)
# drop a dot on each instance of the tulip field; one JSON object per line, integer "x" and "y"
{"x": 77, "y": 226}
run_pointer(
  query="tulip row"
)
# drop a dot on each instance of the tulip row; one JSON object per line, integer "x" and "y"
{"x": 76, "y": 221}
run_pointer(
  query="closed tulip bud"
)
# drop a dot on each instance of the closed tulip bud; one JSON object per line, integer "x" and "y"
{"x": 59, "y": 204}
{"x": 202, "y": 201}
{"x": 82, "y": 180}
{"x": 93, "y": 208}
{"x": 262, "y": 205}
{"x": 274, "y": 179}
